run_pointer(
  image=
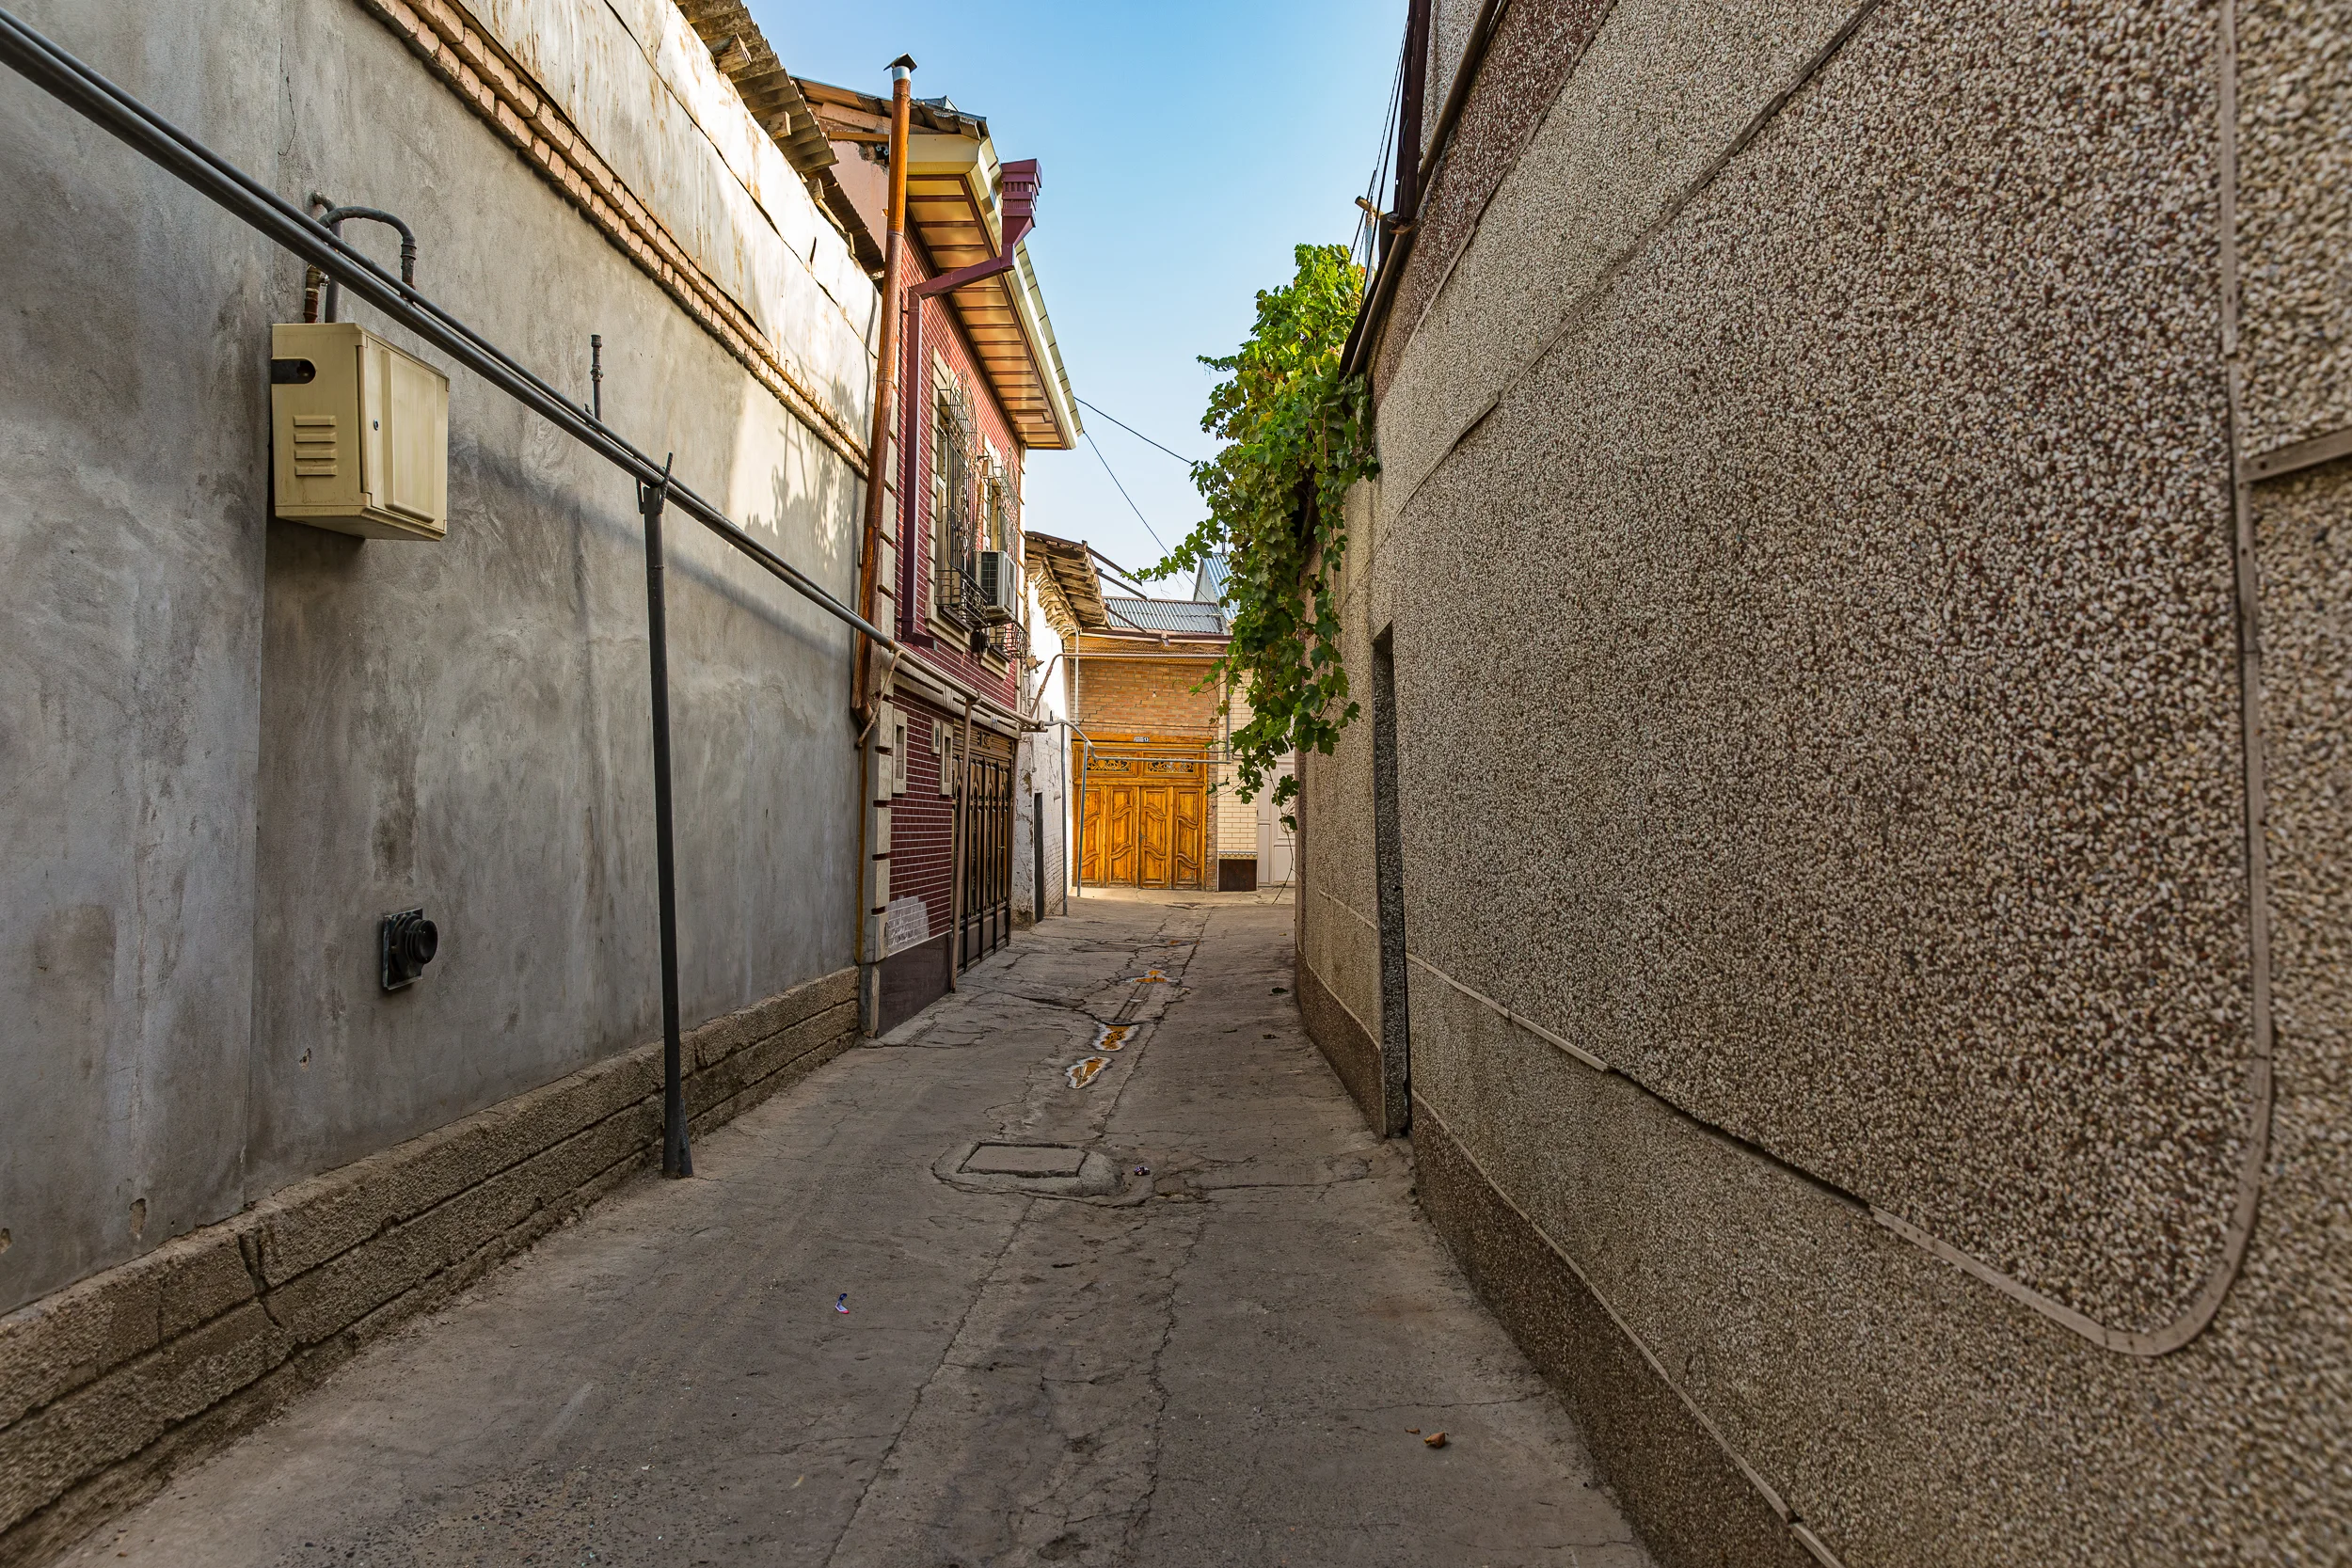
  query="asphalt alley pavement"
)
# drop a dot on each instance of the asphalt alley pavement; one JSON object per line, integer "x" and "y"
{"x": 1126, "y": 1280}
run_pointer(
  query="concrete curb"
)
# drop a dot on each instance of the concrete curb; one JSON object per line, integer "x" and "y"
{"x": 110, "y": 1384}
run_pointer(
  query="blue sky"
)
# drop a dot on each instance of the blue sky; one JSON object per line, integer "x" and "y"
{"x": 1186, "y": 148}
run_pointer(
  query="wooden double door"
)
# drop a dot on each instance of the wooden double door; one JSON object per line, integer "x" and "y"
{"x": 1145, "y": 821}
{"x": 987, "y": 833}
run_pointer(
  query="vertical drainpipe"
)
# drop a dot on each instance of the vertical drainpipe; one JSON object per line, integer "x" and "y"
{"x": 871, "y": 798}
{"x": 886, "y": 369}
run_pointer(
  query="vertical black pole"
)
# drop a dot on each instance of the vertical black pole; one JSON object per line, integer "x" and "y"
{"x": 676, "y": 1159}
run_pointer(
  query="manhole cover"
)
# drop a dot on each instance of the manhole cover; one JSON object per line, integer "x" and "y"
{"x": 1026, "y": 1160}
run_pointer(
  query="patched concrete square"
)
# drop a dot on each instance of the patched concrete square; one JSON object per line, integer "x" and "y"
{"x": 1025, "y": 1159}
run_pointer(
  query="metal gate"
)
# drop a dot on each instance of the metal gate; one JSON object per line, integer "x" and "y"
{"x": 986, "y": 859}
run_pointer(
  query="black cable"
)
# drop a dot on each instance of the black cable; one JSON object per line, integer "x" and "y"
{"x": 1138, "y": 434}
{"x": 1368, "y": 227}
{"x": 1119, "y": 574}
{"x": 1123, "y": 496}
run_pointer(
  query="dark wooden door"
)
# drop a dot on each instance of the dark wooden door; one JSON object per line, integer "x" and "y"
{"x": 986, "y": 859}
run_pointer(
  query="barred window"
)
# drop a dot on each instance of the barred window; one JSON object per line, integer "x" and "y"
{"x": 996, "y": 508}
{"x": 954, "y": 532}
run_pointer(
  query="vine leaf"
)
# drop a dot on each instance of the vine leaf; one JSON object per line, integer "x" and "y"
{"x": 1298, "y": 434}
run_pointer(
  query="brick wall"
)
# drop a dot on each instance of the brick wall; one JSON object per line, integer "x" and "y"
{"x": 922, "y": 822}
{"x": 1118, "y": 699}
{"x": 1233, "y": 819}
{"x": 939, "y": 335}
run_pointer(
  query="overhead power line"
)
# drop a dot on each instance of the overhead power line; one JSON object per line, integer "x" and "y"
{"x": 1122, "y": 491}
{"x": 1138, "y": 433}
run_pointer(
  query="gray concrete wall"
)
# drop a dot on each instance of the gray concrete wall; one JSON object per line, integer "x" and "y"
{"x": 132, "y": 512}
{"x": 236, "y": 743}
{"x": 1807, "y": 523}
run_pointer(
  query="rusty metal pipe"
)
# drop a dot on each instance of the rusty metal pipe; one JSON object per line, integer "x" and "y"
{"x": 863, "y": 709}
{"x": 886, "y": 379}
{"x": 1405, "y": 205}
{"x": 1354, "y": 355}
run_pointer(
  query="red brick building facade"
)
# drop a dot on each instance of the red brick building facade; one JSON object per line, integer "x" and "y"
{"x": 978, "y": 384}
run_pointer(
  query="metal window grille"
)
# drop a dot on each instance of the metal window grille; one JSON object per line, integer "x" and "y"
{"x": 955, "y": 499}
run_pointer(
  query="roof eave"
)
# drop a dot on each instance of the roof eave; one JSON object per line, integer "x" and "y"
{"x": 1029, "y": 302}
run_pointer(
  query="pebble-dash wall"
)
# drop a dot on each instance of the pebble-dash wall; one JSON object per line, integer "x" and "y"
{"x": 1806, "y": 521}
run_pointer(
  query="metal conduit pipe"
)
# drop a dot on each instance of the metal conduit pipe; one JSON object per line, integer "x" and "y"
{"x": 864, "y": 708}
{"x": 1079, "y": 873}
{"x": 1170, "y": 656}
{"x": 1077, "y": 870}
{"x": 1405, "y": 206}
{"x": 333, "y": 219}
{"x": 677, "y": 1160}
{"x": 886, "y": 379}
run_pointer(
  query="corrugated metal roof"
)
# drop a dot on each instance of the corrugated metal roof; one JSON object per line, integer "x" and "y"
{"x": 1184, "y": 615}
{"x": 1208, "y": 583}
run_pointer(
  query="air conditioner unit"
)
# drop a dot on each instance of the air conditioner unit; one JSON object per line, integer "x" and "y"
{"x": 997, "y": 593}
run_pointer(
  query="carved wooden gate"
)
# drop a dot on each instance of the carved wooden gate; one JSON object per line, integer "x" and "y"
{"x": 1144, "y": 821}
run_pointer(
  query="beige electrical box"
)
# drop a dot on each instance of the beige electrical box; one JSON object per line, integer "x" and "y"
{"x": 361, "y": 432}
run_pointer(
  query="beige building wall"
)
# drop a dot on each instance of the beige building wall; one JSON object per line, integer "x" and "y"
{"x": 1339, "y": 950}
{"x": 1843, "y": 1045}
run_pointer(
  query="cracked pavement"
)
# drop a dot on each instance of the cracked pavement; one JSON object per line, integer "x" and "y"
{"x": 1220, "y": 1362}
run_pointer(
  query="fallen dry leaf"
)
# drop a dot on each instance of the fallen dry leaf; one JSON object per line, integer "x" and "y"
{"x": 1435, "y": 1439}
{"x": 1415, "y": 1431}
